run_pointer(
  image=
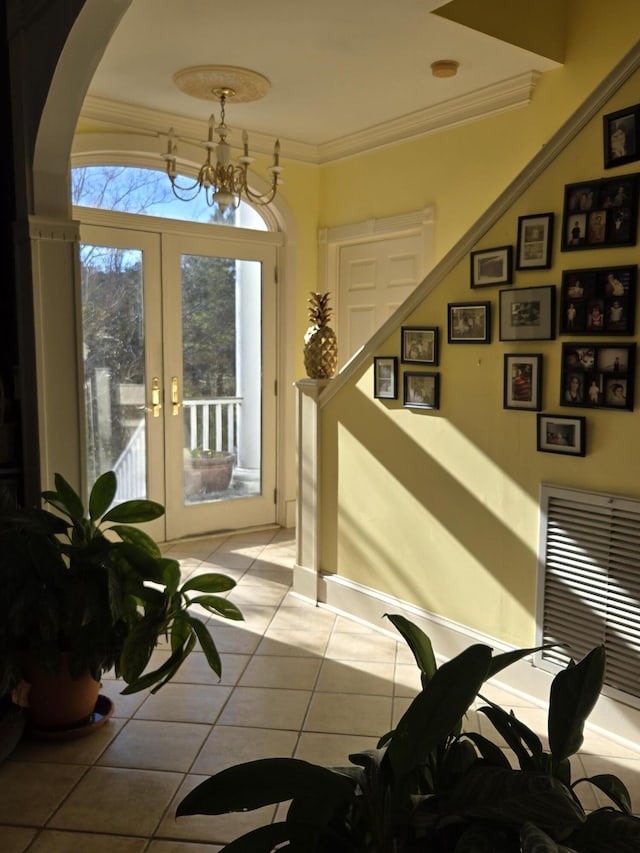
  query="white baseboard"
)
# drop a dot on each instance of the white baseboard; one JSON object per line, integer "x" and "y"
{"x": 610, "y": 717}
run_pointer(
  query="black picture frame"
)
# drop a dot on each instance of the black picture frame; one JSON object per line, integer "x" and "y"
{"x": 522, "y": 387}
{"x": 598, "y": 376}
{"x": 600, "y": 214}
{"x": 561, "y": 434}
{"x": 534, "y": 241}
{"x": 621, "y": 136}
{"x": 419, "y": 345}
{"x": 469, "y": 322}
{"x": 528, "y": 313}
{"x": 421, "y": 390}
{"x": 385, "y": 377}
{"x": 598, "y": 301}
{"x": 491, "y": 267}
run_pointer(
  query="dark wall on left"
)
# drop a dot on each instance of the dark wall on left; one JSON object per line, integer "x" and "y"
{"x": 11, "y": 462}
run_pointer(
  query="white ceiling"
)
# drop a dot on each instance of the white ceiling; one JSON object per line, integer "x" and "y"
{"x": 340, "y": 70}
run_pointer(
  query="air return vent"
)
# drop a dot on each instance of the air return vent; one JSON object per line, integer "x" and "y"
{"x": 589, "y": 583}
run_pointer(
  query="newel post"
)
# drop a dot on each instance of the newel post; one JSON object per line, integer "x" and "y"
{"x": 305, "y": 574}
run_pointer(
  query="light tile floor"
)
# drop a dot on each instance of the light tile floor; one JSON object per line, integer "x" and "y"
{"x": 297, "y": 680}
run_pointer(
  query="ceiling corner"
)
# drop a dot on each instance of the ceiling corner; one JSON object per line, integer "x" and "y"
{"x": 543, "y": 31}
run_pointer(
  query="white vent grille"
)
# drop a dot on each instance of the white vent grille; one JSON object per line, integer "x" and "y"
{"x": 589, "y": 582}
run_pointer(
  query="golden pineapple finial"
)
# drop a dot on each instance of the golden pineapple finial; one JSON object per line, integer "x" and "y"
{"x": 320, "y": 344}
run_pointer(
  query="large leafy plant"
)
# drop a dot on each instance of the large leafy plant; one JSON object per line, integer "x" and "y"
{"x": 433, "y": 786}
{"x": 92, "y": 586}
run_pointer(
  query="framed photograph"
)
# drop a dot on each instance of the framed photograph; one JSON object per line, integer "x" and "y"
{"x": 621, "y": 136}
{"x": 535, "y": 236}
{"x": 598, "y": 376}
{"x": 601, "y": 213}
{"x": 421, "y": 390}
{"x": 385, "y": 377}
{"x": 419, "y": 345}
{"x": 492, "y": 266}
{"x": 469, "y": 323}
{"x": 600, "y": 301}
{"x": 523, "y": 382}
{"x": 559, "y": 434}
{"x": 528, "y": 314}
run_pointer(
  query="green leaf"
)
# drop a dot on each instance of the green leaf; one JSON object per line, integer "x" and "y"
{"x": 613, "y": 787}
{"x": 168, "y": 668}
{"x": 171, "y": 576}
{"x": 502, "y": 661}
{"x": 135, "y": 512}
{"x": 137, "y": 649}
{"x": 419, "y": 643}
{"x": 574, "y": 692}
{"x": 65, "y": 499}
{"x": 606, "y": 831}
{"x": 210, "y": 582}
{"x": 102, "y": 494}
{"x": 511, "y": 730}
{"x": 488, "y": 750}
{"x": 222, "y": 606}
{"x": 515, "y": 797}
{"x": 206, "y": 641}
{"x": 534, "y": 840}
{"x": 438, "y": 709}
{"x": 264, "y": 839}
{"x": 137, "y": 537}
{"x": 264, "y": 782}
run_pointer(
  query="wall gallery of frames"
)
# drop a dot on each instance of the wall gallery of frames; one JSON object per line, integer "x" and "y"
{"x": 596, "y": 307}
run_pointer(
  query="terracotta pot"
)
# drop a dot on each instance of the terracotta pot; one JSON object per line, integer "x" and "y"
{"x": 212, "y": 473}
{"x": 60, "y": 701}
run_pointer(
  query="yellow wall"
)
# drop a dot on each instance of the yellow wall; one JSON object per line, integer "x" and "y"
{"x": 441, "y": 508}
{"x": 462, "y": 170}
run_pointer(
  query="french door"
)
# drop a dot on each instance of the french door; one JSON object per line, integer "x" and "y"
{"x": 179, "y": 372}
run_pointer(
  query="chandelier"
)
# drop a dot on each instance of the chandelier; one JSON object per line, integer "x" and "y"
{"x": 222, "y": 181}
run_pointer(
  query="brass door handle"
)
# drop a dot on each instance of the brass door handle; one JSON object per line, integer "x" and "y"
{"x": 156, "y": 405}
{"x": 175, "y": 403}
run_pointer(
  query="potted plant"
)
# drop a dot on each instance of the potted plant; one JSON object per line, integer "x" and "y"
{"x": 431, "y": 785}
{"x": 86, "y": 592}
{"x": 209, "y": 470}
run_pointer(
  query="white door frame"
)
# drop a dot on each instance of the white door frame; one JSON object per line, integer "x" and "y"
{"x": 121, "y": 226}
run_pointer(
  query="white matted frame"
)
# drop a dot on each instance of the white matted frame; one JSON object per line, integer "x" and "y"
{"x": 528, "y": 314}
{"x": 385, "y": 377}
{"x": 535, "y": 238}
{"x": 561, "y": 434}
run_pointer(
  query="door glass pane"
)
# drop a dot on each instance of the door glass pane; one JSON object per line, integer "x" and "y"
{"x": 222, "y": 378}
{"x": 113, "y": 354}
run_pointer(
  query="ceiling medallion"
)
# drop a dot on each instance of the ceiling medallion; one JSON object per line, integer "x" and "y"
{"x": 202, "y": 81}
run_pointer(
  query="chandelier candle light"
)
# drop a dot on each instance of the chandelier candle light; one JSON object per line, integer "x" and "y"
{"x": 224, "y": 183}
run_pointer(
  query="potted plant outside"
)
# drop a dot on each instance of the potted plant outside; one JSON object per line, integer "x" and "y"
{"x": 86, "y": 592}
{"x": 433, "y": 786}
{"x": 209, "y": 470}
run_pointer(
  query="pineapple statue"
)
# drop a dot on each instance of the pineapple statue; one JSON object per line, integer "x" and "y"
{"x": 320, "y": 344}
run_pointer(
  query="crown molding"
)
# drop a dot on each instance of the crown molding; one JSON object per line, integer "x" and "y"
{"x": 506, "y": 95}
{"x": 132, "y": 118}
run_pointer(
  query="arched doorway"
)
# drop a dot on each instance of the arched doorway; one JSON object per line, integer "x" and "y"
{"x": 55, "y": 241}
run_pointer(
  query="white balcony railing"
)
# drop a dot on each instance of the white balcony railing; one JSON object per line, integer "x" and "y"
{"x": 212, "y": 424}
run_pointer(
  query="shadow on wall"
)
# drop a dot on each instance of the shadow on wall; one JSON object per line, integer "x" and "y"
{"x": 468, "y": 525}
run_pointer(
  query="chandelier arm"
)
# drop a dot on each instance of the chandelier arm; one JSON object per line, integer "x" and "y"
{"x": 262, "y": 198}
{"x": 183, "y": 187}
